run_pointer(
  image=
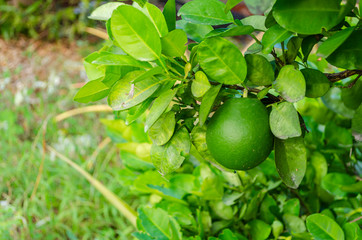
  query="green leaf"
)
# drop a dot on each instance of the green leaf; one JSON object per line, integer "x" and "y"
{"x": 207, "y": 103}
{"x": 212, "y": 188}
{"x": 148, "y": 74}
{"x": 308, "y": 16}
{"x": 320, "y": 166}
{"x": 140, "y": 109}
{"x": 159, "y": 106}
{"x": 267, "y": 207}
{"x": 324, "y": 228}
{"x": 277, "y": 228}
{"x": 349, "y": 54}
{"x": 290, "y": 83}
{"x": 221, "y": 210}
{"x": 230, "y": 4}
{"x": 200, "y": 85}
{"x": 293, "y": 46}
{"x": 174, "y": 43}
{"x": 337, "y": 137}
{"x": 120, "y": 60}
{"x": 260, "y": 71}
{"x": 292, "y": 206}
{"x": 222, "y": 61}
{"x": 92, "y": 70}
{"x": 125, "y": 95}
{"x": 317, "y": 84}
{"x": 207, "y": 12}
{"x": 156, "y": 17}
{"x": 104, "y": 12}
{"x": 352, "y": 231}
{"x": 135, "y": 163}
{"x": 259, "y": 230}
{"x": 231, "y": 32}
{"x": 333, "y": 182}
{"x": 333, "y": 100}
{"x": 291, "y": 160}
{"x": 128, "y": 26}
{"x": 156, "y": 222}
{"x": 227, "y": 234}
{"x": 169, "y": 11}
{"x": 307, "y": 46}
{"x": 333, "y": 42}
{"x": 142, "y": 236}
{"x": 293, "y": 223}
{"x": 92, "y": 91}
{"x": 272, "y": 36}
{"x": 115, "y": 73}
{"x": 357, "y": 124}
{"x": 196, "y": 32}
{"x": 169, "y": 157}
{"x": 162, "y": 130}
{"x": 140, "y": 2}
{"x": 352, "y": 97}
{"x": 259, "y": 6}
{"x": 284, "y": 121}
{"x": 256, "y": 21}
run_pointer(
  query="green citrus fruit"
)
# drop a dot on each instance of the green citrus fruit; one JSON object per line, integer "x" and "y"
{"x": 238, "y": 135}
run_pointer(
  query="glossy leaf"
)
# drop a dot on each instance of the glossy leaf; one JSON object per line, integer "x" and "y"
{"x": 222, "y": 61}
{"x": 231, "y": 32}
{"x": 308, "y": 16}
{"x": 317, "y": 84}
{"x": 162, "y": 130}
{"x": 284, "y": 121}
{"x": 290, "y": 84}
{"x": 260, "y": 71}
{"x": 256, "y": 21}
{"x": 357, "y": 124}
{"x": 324, "y": 228}
{"x": 120, "y": 60}
{"x": 200, "y": 85}
{"x": 91, "y": 91}
{"x": 291, "y": 160}
{"x": 92, "y": 70}
{"x": 104, "y": 12}
{"x": 159, "y": 106}
{"x": 333, "y": 42}
{"x": 196, "y": 32}
{"x": 169, "y": 157}
{"x": 169, "y": 11}
{"x": 125, "y": 95}
{"x": 156, "y": 17}
{"x": 128, "y": 26}
{"x": 272, "y": 36}
{"x": 208, "y": 102}
{"x": 174, "y": 43}
{"x": 208, "y": 12}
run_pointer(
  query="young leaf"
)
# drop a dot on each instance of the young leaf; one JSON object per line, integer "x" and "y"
{"x": 231, "y": 32}
{"x": 196, "y": 32}
{"x": 208, "y": 102}
{"x": 291, "y": 160}
{"x": 208, "y": 12}
{"x": 125, "y": 95}
{"x": 92, "y": 70}
{"x": 169, "y": 11}
{"x": 104, "y": 12}
{"x": 324, "y": 228}
{"x": 260, "y": 71}
{"x": 357, "y": 124}
{"x": 169, "y": 157}
{"x": 92, "y": 91}
{"x": 128, "y": 26}
{"x": 349, "y": 54}
{"x": 159, "y": 106}
{"x": 230, "y": 4}
{"x": 272, "y": 36}
{"x": 162, "y": 130}
{"x": 200, "y": 85}
{"x": 120, "y": 60}
{"x": 317, "y": 84}
{"x": 156, "y": 17}
{"x": 308, "y": 16}
{"x": 222, "y": 61}
{"x": 333, "y": 42}
{"x": 290, "y": 83}
{"x": 284, "y": 121}
{"x": 174, "y": 43}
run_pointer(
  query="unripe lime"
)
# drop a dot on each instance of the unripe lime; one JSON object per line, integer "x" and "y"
{"x": 238, "y": 135}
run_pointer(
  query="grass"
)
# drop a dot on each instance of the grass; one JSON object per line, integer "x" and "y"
{"x": 65, "y": 205}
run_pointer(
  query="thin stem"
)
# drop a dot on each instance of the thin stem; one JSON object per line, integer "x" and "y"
{"x": 335, "y": 77}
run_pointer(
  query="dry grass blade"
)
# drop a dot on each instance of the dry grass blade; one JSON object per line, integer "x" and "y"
{"x": 94, "y": 155}
{"x": 73, "y": 112}
{"x": 122, "y": 206}
{"x": 97, "y": 32}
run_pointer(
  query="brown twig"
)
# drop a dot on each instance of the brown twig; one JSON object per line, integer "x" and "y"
{"x": 335, "y": 77}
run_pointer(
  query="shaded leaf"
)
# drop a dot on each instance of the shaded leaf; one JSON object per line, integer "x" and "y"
{"x": 231, "y": 32}
{"x": 284, "y": 121}
{"x": 290, "y": 83}
{"x": 169, "y": 11}
{"x": 317, "y": 84}
{"x": 196, "y": 32}
{"x": 162, "y": 130}
{"x": 200, "y": 85}
{"x": 357, "y": 124}
{"x": 208, "y": 102}
{"x": 260, "y": 71}
{"x": 352, "y": 231}
{"x": 256, "y": 21}
{"x": 174, "y": 43}
{"x": 333, "y": 183}
{"x": 333, "y": 42}
{"x": 294, "y": 224}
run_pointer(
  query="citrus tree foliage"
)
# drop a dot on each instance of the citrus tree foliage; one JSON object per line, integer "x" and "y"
{"x": 166, "y": 73}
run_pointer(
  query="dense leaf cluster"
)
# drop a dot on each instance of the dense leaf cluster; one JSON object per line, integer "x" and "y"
{"x": 167, "y": 77}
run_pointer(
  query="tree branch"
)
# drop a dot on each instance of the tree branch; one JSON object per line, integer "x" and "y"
{"x": 335, "y": 77}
